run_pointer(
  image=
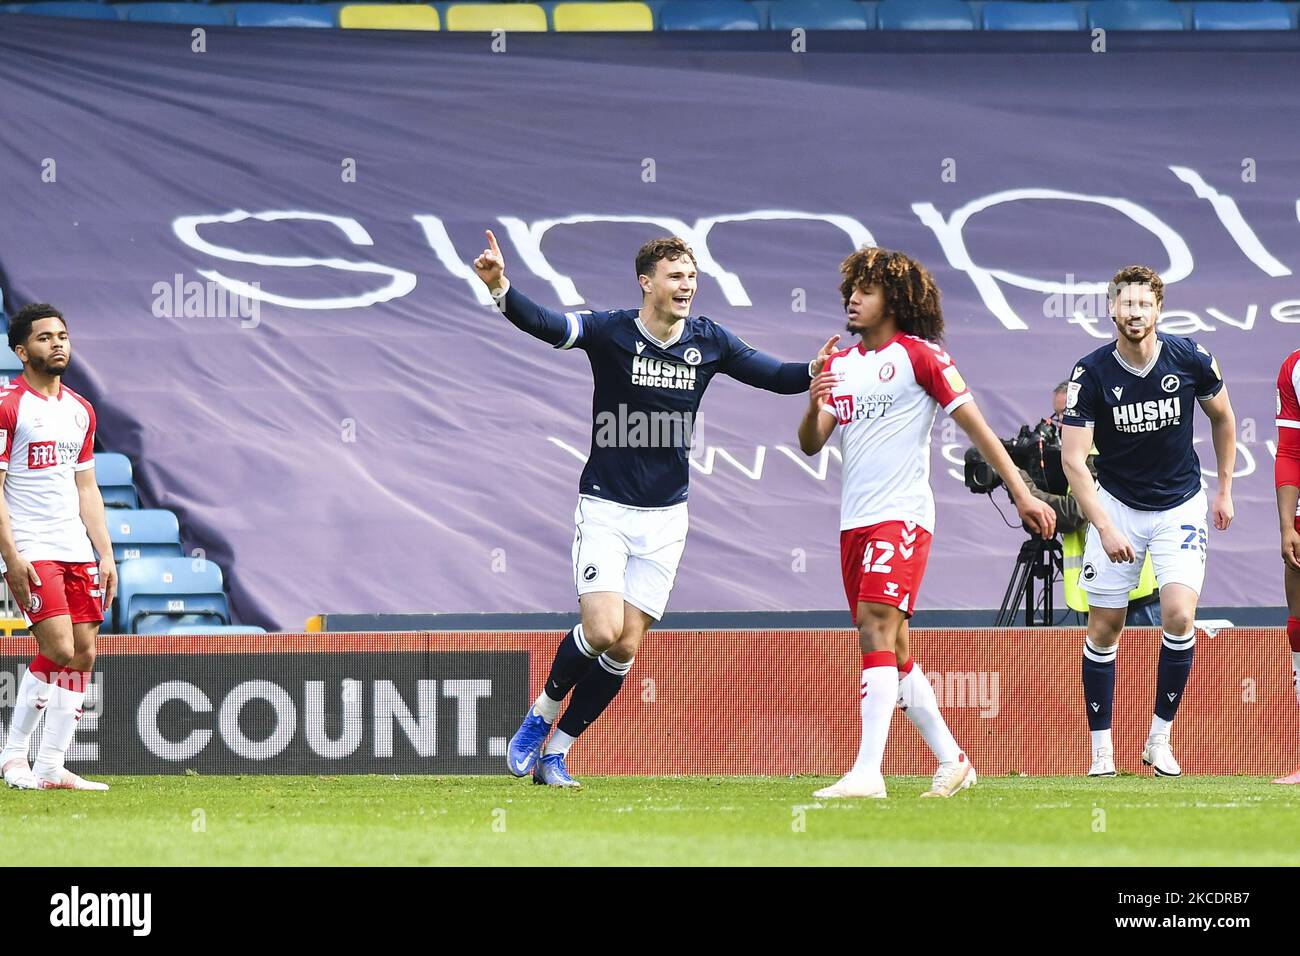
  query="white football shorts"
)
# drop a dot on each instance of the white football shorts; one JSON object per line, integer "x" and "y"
{"x": 632, "y": 551}
{"x": 1175, "y": 538}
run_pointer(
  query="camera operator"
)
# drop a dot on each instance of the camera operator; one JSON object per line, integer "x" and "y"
{"x": 1058, "y": 403}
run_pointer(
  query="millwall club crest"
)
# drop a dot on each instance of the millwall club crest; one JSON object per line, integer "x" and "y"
{"x": 1169, "y": 383}
{"x": 589, "y": 573}
{"x": 692, "y": 356}
{"x": 1089, "y": 571}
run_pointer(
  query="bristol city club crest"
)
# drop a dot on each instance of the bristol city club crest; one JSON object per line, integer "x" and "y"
{"x": 887, "y": 371}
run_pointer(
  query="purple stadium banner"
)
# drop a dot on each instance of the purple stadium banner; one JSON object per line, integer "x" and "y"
{"x": 262, "y": 246}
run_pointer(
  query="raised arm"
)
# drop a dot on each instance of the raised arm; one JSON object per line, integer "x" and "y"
{"x": 560, "y": 330}
{"x": 818, "y": 422}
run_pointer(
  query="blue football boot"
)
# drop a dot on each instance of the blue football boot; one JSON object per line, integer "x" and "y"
{"x": 526, "y": 745}
{"x": 551, "y": 772}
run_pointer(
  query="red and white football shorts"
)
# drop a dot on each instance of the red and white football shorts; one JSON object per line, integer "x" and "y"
{"x": 884, "y": 563}
{"x": 67, "y": 587}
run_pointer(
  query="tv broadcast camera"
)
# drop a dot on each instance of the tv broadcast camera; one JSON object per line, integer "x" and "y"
{"x": 1037, "y": 450}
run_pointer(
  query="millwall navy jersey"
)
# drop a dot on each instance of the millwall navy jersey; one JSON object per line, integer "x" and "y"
{"x": 647, "y": 392}
{"x": 1142, "y": 419}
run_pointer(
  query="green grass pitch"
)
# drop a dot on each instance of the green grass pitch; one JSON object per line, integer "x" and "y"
{"x": 650, "y": 820}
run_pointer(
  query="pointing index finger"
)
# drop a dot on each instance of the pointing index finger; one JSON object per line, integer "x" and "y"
{"x": 492, "y": 242}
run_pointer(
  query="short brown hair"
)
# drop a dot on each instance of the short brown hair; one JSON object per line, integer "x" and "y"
{"x": 911, "y": 294}
{"x": 665, "y": 247}
{"x": 1138, "y": 275}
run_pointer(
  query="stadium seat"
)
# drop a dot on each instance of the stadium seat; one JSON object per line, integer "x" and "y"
{"x": 1262, "y": 15}
{"x": 486, "y": 17}
{"x": 113, "y": 475}
{"x": 10, "y": 367}
{"x": 605, "y": 17}
{"x": 214, "y": 629}
{"x": 187, "y": 13}
{"x": 817, "y": 15}
{"x": 708, "y": 15}
{"x": 145, "y": 533}
{"x": 284, "y": 15}
{"x": 184, "y": 590}
{"x": 925, "y": 15}
{"x": 70, "y": 8}
{"x": 1134, "y": 15}
{"x": 1017, "y": 15}
{"x": 389, "y": 16}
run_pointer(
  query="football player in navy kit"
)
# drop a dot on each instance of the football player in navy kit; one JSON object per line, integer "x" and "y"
{"x": 1135, "y": 400}
{"x": 650, "y": 367}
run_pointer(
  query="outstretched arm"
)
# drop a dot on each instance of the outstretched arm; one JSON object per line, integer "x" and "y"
{"x": 747, "y": 364}
{"x": 553, "y": 328}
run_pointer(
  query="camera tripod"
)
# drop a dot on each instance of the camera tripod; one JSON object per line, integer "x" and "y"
{"x": 1040, "y": 560}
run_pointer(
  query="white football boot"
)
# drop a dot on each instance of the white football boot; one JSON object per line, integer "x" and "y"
{"x": 951, "y": 777}
{"x": 869, "y": 784}
{"x": 67, "y": 780}
{"x": 19, "y": 776}
{"x": 1103, "y": 763}
{"x": 1159, "y": 756}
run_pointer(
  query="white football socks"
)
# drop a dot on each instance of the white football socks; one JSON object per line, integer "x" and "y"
{"x": 916, "y": 697}
{"x": 62, "y": 714}
{"x": 879, "y": 697}
{"x": 33, "y": 699}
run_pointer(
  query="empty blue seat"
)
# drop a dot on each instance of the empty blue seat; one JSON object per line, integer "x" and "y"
{"x": 285, "y": 15}
{"x": 168, "y": 624}
{"x": 114, "y": 477}
{"x": 10, "y": 367}
{"x": 924, "y": 15}
{"x": 817, "y": 15}
{"x": 708, "y": 15}
{"x": 1135, "y": 15}
{"x": 187, "y": 13}
{"x": 70, "y": 8}
{"x": 1262, "y": 15}
{"x": 215, "y": 629}
{"x": 1015, "y": 15}
{"x": 183, "y": 590}
{"x": 145, "y": 533}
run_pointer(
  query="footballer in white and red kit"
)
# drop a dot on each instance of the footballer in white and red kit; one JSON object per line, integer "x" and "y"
{"x": 51, "y": 525}
{"x": 1286, "y": 470}
{"x": 883, "y": 395}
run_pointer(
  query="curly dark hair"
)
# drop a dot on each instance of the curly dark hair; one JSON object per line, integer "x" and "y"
{"x": 1138, "y": 275}
{"x": 910, "y": 291}
{"x": 20, "y": 324}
